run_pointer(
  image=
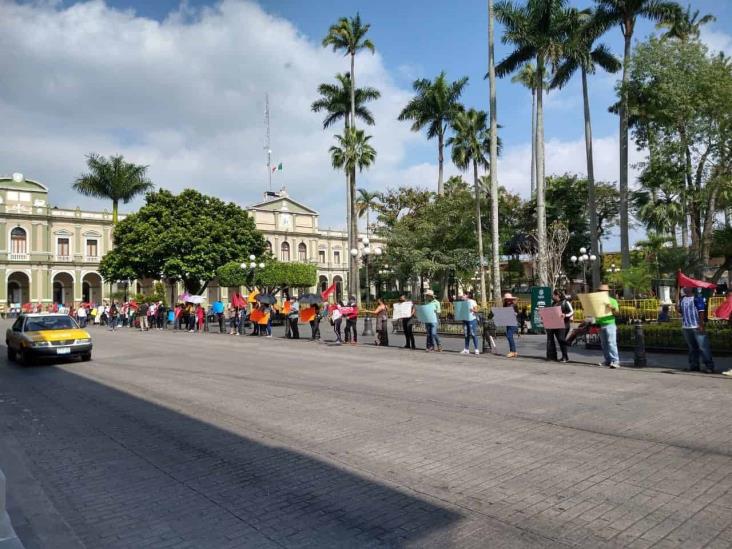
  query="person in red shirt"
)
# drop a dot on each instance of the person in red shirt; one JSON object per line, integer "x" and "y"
{"x": 351, "y": 314}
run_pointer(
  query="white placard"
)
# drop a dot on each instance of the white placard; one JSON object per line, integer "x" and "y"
{"x": 402, "y": 310}
{"x": 504, "y": 316}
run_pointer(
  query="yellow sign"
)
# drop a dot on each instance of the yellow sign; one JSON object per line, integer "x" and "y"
{"x": 596, "y": 304}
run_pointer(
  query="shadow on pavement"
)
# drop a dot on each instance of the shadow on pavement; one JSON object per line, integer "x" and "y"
{"x": 123, "y": 471}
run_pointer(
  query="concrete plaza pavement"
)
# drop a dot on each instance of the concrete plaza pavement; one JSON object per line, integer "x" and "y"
{"x": 170, "y": 439}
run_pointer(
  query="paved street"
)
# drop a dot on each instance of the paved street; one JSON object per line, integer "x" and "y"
{"x": 208, "y": 441}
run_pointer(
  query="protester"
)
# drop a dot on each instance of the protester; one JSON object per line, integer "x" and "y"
{"x": 510, "y": 301}
{"x": 292, "y": 319}
{"x": 351, "y": 314}
{"x": 200, "y": 317}
{"x": 408, "y": 326}
{"x": 609, "y": 332}
{"x": 233, "y": 320}
{"x": 558, "y": 335}
{"x": 692, "y": 326}
{"x": 382, "y": 323}
{"x": 142, "y": 314}
{"x": 470, "y": 326}
{"x": 433, "y": 340}
{"x": 315, "y": 323}
{"x": 336, "y": 319}
{"x": 82, "y": 316}
{"x": 218, "y": 311}
{"x": 112, "y": 316}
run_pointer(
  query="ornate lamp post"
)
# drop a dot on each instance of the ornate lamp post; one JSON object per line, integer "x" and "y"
{"x": 364, "y": 250}
{"x": 612, "y": 270}
{"x": 584, "y": 259}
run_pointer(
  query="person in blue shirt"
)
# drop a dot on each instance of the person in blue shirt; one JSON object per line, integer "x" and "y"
{"x": 692, "y": 326}
{"x": 218, "y": 309}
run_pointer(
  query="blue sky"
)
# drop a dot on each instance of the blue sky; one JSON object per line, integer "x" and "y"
{"x": 181, "y": 87}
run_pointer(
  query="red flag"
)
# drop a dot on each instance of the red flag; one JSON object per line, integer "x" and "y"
{"x": 238, "y": 301}
{"x": 687, "y": 282}
{"x": 329, "y": 291}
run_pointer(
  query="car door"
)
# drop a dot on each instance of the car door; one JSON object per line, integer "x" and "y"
{"x": 16, "y": 331}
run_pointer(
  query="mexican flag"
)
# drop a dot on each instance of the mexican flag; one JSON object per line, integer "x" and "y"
{"x": 277, "y": 168}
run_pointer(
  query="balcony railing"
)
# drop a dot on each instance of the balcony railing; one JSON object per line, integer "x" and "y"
{"x": 92, "y": 259}
{"x": 63, "y": 258}
{"x": 18, "y": 257}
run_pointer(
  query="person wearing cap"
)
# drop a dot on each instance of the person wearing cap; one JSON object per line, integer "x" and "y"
{"x": 510, "y": 301}
{"x": 609, "y": 331}
{"x": 433, "y": 340}
{"x": 692, "y": 326}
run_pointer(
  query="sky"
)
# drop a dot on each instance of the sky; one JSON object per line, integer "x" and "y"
{"x": 180, "y": 87}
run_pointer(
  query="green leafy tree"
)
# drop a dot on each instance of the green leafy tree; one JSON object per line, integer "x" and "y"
{"x": 181, "y": 237}
{"x": 580, "y": 53}
{"x": 434, "y": 107}
{"x": 232, "y": 275}
{"x": 722, "y": 247}
{"x": 280, "y": 275}
{"x": 625, "y": 14}
{"x": 113, "y": 179}
{"x": 537, "y": 31}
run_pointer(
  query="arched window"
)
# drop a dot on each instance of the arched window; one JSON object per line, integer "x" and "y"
{"x": 285, "y": 252}
{"x": 302, "y": 252}
{"x": 269, "y": 247}
{"x": 18, "y": 241}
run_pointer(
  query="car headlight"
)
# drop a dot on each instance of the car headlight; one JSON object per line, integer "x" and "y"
{"x": 82, "y": 341}
{"x": 40, "y": 344}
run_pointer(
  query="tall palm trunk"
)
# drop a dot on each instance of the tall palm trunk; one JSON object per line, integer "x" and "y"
{"x": 623, "y": 188}
{"x": 543, "y": 274}
{"x": 115, "y": 211}
{"x": 440, "y": 161}
{"x": 355, "y": 284}
{"x": 495, "y": 244}
{"x": 479, "y": 227}
{"x": 533, "y": 142}
{"x": 595, "y": 265}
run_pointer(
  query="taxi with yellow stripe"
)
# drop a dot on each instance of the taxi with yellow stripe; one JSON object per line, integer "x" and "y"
{"x": 47, "y": 335}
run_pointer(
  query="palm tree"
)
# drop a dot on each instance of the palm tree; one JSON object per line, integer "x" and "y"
{"x": 537, "y": 31}
{"x": 581, "y": 53}
{"x": 352, "y": 151}
{"x": 469, "y": 146}
{"x": 113, "y": 179}
{"x": 625, "y": 13}
{"x": 335, "y": 101}
{"x": 495, "y": 248}
{"x": 685, "y": 26}
{"x": 434, "y": 106}
{"x": 349, "y": 35}
{"x": 365, "y": 202}
{"x": 527, "y": 77}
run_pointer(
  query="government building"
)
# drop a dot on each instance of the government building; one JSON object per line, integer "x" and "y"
{"x": 51, "y": 255}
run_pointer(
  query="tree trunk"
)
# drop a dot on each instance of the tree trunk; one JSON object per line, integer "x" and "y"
{"x": 479, "y": 226}
{"x": 623, "y": 187}
{"x": 115, "y": 207}
{"x": 595, "y": 265}
{"x": 440, "y": 161}
{"x": 533, "y": 143}
{"x": 495, "y": 243}
{"x": 353, "y": 90}
{"x": 540, "y": 205}
{"x": 356, "y": 284}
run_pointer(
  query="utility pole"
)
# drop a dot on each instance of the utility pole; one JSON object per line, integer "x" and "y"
{"x": 267, "y": 145}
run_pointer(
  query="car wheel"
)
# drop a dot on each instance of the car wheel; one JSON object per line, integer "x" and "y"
{"x": 25, "y": 358}
{"x": 86, "y": 357}
{"x": 11, "y": 353}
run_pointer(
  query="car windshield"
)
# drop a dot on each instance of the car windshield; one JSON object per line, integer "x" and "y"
{"x": 36, "y": 324}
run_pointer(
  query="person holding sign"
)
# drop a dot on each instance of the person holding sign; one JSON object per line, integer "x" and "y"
{"x": 601, "y": 306}
{"x": 315, "y": 323}
{"x": 558, "y": 333}
{"x": 469, "y": 315}
{"x": 408, "y": 322}
{"x": 430, "y": 313}
{"x": 510, "y": 301}
{"x": 382, "y": 323}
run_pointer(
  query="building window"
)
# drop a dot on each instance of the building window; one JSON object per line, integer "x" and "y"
{"x": 321, "y": 256}
{"x": 12, "y": 196}
{"x": 268, "y": 245}
{"x": 18, "y": 241}
{"x": 337, "y": 257}
{"x": 63, "y": 247}
{"x": 302, "y": 252}
{"x": 91, "y": 247}
{"x": 285, "y": 252}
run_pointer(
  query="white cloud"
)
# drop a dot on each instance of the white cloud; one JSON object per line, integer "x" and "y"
{"x": 717, "y": 41}
{"x": 185, "y": 96}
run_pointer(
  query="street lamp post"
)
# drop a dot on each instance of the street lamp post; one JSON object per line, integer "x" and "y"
{"x": 612, "y": 270}
{"x": 365, "y": 251}
{"x": 584, "y": 259}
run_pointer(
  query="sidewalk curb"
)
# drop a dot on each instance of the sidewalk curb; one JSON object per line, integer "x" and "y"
{"x": 8, "y": 537}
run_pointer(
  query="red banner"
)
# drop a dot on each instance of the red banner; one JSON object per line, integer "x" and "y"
{"x": 687, "y": 282}
{"x": 329, "y": 291}
{"x": 238, "y": 301}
